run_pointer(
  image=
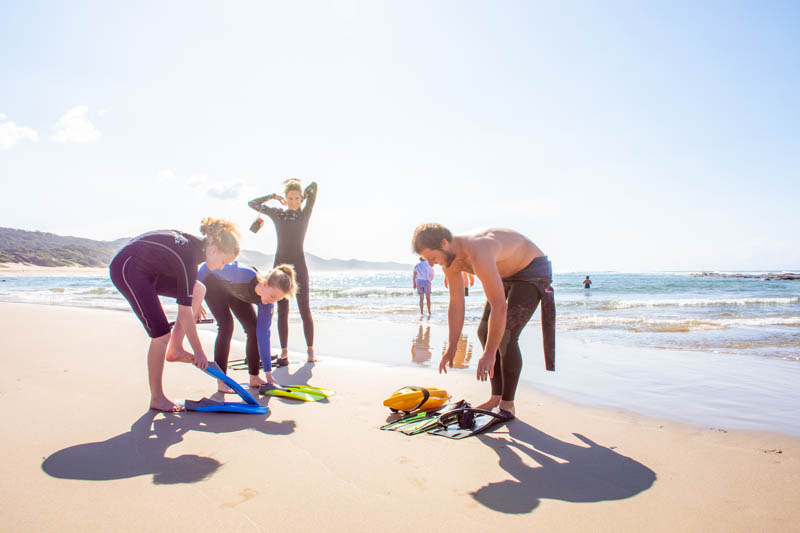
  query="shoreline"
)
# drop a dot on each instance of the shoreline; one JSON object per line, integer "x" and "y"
{"x": 701, "y": 389}
{"x": 558, "y": 466}
{"x": 23, "y": 270}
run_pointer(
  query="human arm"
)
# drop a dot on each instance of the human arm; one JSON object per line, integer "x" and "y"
{"x": 263, "y": 323}
{"x": 258, "y": 204}
{"x": 415, "y": 279}
{"x": 486, "y": 270}
{"x": 310, "y": 196}
{"x": 455, "y": 317}
{"x": 185, "y": 326}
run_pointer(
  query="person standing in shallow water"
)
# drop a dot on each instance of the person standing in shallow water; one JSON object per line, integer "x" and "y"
{"x": 291, "y": 225}
{"x": 516, "y": 276}
{"x": 587, "y": 283}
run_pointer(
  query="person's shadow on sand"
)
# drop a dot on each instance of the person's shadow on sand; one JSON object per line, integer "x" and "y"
{"x": 591, "y": 473}
{"x": 142, "y": 450}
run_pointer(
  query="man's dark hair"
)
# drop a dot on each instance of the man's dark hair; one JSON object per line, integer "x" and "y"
{"x": 429, "y": 236}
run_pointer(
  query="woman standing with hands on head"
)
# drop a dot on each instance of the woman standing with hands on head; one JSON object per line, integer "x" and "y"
{"x": 164, "y": 262}
{"x": 291, "y": 225}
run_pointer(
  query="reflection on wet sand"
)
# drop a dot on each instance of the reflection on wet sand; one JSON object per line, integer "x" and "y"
{"x": 463, "y": 352}
{"x": 421, "y": 345}
{"x": 421, "y": 348}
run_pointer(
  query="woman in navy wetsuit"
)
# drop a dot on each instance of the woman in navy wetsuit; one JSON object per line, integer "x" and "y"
{"x": 234, "y": 289}
{"x": 291, "y": 225}
{"x": 165, "y": 263}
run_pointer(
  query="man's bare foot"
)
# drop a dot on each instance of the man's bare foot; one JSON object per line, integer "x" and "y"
{"x": 256, "y": 381}
{"x": 163, "y": 404}
{"x": 508, "y": 406}
{"x": 311, "y": 357}
{"x": 493, "y": 402}
{"x": 180, "y": 356}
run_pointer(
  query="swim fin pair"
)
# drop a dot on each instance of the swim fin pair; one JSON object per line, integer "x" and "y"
{"x": 423, "y": 421}
{"x": 249, "y": 406}
{"x": 305, "y": 393}
{"x": 462, "y": 423}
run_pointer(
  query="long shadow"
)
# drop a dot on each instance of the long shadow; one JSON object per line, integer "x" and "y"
{"x": 142, "y": 450}
{"x": 590, "y": 473}
{"x": 301, "y": 376}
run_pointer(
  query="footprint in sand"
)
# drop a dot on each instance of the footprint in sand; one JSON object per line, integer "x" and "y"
{"x": 245, "y": 494}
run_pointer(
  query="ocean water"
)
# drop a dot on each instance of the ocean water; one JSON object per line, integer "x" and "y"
{"x": 738, "y": 316}
{"x": 718, "y": 352}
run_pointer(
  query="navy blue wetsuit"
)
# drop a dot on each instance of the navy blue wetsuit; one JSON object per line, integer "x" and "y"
{"x": 232, "y": 289}
{"x": 162, "y": 262}
{"x": 291, "y": 227}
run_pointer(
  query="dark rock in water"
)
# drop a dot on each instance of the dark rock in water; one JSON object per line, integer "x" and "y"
{"x": 769, "y": 276}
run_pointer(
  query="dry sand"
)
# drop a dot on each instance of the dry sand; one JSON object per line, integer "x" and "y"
{"x": 80, "y": 451}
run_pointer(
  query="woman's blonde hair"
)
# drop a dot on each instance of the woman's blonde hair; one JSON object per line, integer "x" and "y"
{"x": 221, "y": 233}
{"x": 281, "y": 277}
{"x": 292, "y": 184}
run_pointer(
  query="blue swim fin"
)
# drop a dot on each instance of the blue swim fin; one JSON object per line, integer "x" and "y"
{"x": 207, "y": 405}
{"x": 216, "y": 372}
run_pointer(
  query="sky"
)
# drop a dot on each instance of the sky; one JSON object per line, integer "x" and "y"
{"x": 626, "y": 136}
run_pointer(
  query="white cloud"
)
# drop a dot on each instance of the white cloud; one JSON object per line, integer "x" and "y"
{"x": 226, "y": 191}
{"x": 10, "y": 133}
{"x": 197, "y": 181}
{"x": 164, "y": 175}
{"x": 75, "y": 126}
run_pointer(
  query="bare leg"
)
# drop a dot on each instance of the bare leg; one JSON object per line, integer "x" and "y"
{"x": 175, "y": 351}
{"x": 311, "y": 357}
{"x": 421, "y": 302}
{"x": 155, "y": 372}
{"x": 428, "y": 296}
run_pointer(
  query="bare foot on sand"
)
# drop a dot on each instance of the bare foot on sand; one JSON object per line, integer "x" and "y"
{"x": 180, "y": 356}
{"x": 223, "y": 388}
{"x": 311, "y": 358}
{"x": 163, "y": 404}
{"x": 508, "y": 406}
{"x": 256, "y": 381}
{"x": 493, "y": 402}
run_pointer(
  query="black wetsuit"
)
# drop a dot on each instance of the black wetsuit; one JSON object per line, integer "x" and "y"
{"x": 291, "y": 227}
{"x": 232, "y": 289}
{"x": 162, "y": 262}
{"x": 523, "y": 292}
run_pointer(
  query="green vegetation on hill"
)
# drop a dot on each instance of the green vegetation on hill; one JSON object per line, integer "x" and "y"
{"x": 47, "y": 249}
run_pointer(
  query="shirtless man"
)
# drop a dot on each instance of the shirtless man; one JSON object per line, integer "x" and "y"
{"x": 515, "y": 275}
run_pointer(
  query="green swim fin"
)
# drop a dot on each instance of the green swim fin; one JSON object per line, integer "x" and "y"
{"x": 270, "y": 389}
{"x": 309, "y": 388}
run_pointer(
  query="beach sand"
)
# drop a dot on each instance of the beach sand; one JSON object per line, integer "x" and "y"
{"x": 80, "y": 451}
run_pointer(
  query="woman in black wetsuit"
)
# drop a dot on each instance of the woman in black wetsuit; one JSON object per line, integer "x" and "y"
{"x": 165, "y": 263}
{"x": 291, "y": 225}
{"x": 232, "y": 291}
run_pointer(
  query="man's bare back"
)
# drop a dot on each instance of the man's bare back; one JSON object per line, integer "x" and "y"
{"x": 510, "y": 250}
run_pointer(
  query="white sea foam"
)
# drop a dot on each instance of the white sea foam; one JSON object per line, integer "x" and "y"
{"x": 697, "y": 302}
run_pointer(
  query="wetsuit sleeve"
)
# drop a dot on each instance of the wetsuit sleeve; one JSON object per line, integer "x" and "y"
{"x": 258, "y": 205}
{"x": 310, "y": 194}
{"x": 203, "y": 273}
{"x": 263, "y": 323}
